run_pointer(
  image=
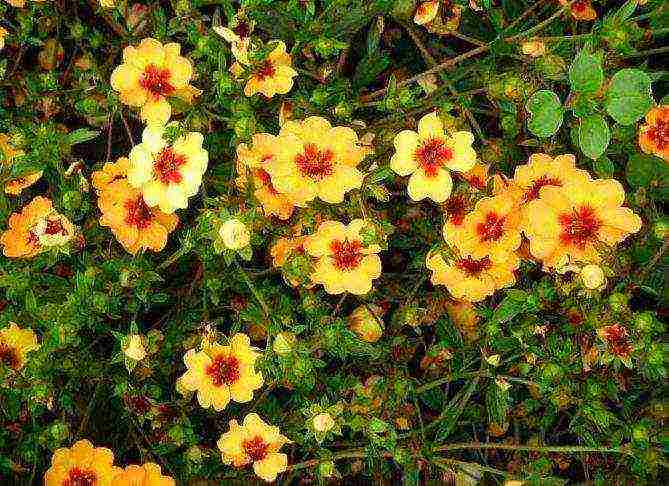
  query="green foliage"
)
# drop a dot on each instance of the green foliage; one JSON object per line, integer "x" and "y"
{"x": 546, "y": 113}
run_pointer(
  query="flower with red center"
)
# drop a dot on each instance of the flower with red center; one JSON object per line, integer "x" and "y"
{"x": 110, "y": 172}
{"x": 135, "y": 225}
{"x": 35, "y": 229}
{"x": 15, "y": 344}
{"x": 543, "y": 170}
{"x": 256, "y": 158}
{"x": 273, "y": 75}
{"x": 151, "y": 73}
{"x": 167, "y": 174}
{"x": 491, "y": 229}
{"x": 428, "y": 155}
{"x": 219, "y": 373}
{"x": 477, "y": 176}
{"x": 257, "y": 443}
{"x": 617, "y": 339}
{"x": 654, "y": 134}
{"x": 570, "y": 222}
{"x": 81, "y": 465}
{"x": 344, "y": 263}
{"x": 581, "y": 9}
{"x": 472, "y": 279}
{"x": 314, "y": 159}
{"x": 148, "y": 474}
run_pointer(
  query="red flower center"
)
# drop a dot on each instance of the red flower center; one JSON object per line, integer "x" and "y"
{"x": 256, "y": 448}
{"x": 432, "y": 156}
{"x": 8, "y": 356}
{"x": 455, "y": 207}
{"x": 138, "y": 214}
{"x": 533, "y": 192}
{"x": 346, "y": 255}
{"x": 266, "y": 181}
{"x": 242, "y": 29}
{"x": 80, "y": 477}
{"x": 315, "y": 163}
{"x": 580, "y": 6}
{"x": 166, "y": 166}
{"x": 659, "y": 134}
{"x": 54, "y": 227}
{"x": 579, "y": 227}
{"x": 224, "y": 370}
{"x": 618, "y": 339}
{"x": 266, "y": 70}
{"x": 156, "y": 81}
{"x": 492, "y": 228}
{"x": 473, "y": 267}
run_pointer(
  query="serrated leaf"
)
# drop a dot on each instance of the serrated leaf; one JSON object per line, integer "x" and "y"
{"x": 546, "y": 113}
{"x": 586, "y": 74}
{"x": 594, "y": 136}
{"x": 629, "y": 96}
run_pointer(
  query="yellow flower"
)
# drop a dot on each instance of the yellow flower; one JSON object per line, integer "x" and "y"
{"x": 491, "y": 229}
{"x": 254, "y": 442}
{"x": 81, "y": 464}
{"x": 167, "y": 175}
{"x": 427, "y": 156}
{"x": 570, "y": 222}
{"x": 36, "y": 228}
{"x": 134, "y": 224}
{"x": 134, "y": 348}
{"x": 272, "y": 76}
{"x": 323, "y": 422}
{"x": 3, "y": 34}
{"x": 149, "y": 74}
{"x": 654, "y": 135}
{"x": 256, "y": 159}
{"x": 314, "y": 159}
{"x": 222, "y": 372}
{"x": 365, "y": 321}
{"x": 16, "y": 186}
{"x": 477, "y": 176}
{"x": 15, "y": 344}
{"x": 533, "y": 48}
{"x": 235, "y": 234}
{"x": 581, "y": 9}
{"x": 473, "y": 279}
{"x": 108, "y": 3}
{"x": 593, "y": 277}
{"x": 344, "y": 263}
{"x": 148, "y": 474}
{"x": 543, "y": 170}
{"x": 111, "y": 172}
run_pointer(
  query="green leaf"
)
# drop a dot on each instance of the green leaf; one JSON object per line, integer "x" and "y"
{"x": 649, "y": 172}
{"x": 546, "y": 113}
{"x": 594, "y": 136}
{"x": 586, "y": 74}
{"x": 81, "y": 135}
{"x": 629, "y": 96}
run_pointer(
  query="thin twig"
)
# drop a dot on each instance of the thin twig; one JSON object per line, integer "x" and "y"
{"x": 571, "y": 449}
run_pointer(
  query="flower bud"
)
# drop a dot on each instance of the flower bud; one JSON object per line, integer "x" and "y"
{"x": 134, "y": 348}
{"x": 593, "y": 277}
{"x": 323, "y": 422}
{"x": 366, "y": 322}
{"x": 234, "y": 234}
{"x": 533, "y": 48}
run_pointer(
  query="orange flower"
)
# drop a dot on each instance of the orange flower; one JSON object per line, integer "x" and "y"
{"x": 344, "y": 263}
{"x": 654, "y": 135}
{"x": 274, "y": 75}
{"x": 256, "y": 158}
{"x": 426, "y": 12}
{"x": 220, "y": 373}
{"x": 36, "y": 228}
{"x": 472, "y": 279}
{"x": 581, "y": 9}
{"x": 569, "y": 223}
{"x": 314, "y": 159}
{"x": 134, "y": 224}
{"x": 111, "y": 172}
{"x": 477, "y": 176}
{"x": 491, "y": 229}
{"x": 543, "y": 170}
{"x": 148, "y": 474}
{"x": 81, "y": 464}
{"x": 16, "y": 186}
{"x": 151, "y": 73}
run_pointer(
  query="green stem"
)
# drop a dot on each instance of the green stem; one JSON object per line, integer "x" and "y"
{"x": 253, "y": 289}
{"x": 649, "y": 52}
{"x": 571, "y": 449}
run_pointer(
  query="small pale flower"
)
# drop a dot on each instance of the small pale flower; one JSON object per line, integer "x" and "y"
{"x": 134, "y": 348}
{"x": 323, "y": 422}
{"x": 593, "y": 277}
{"x": 234, "y": 234}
